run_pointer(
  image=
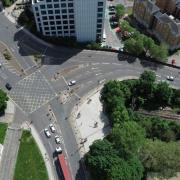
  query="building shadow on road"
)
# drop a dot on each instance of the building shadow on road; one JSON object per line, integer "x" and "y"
{"x": 30, "y": 45}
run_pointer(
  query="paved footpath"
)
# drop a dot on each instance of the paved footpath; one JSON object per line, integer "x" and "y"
{"x": 11, "y": 147}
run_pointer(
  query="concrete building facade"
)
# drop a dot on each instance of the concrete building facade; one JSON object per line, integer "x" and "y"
{"x": 83, "y": 19}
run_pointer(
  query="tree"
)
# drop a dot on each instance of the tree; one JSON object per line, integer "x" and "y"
{"x": 126, "y": 170}
{"x": 176, "y": 98}
{"x": 147, "y": 77}
{"x": 3, "y": 101}
{"x": 163, "y": 94}
{"x": 134, "y": 46}
{"x": 125, "y": 26}
{"x": 127, "y": 138}
{"x": 119, "y": 114}
{"x": 159, "y": 52}
{"x": 100, "y": 158}
{"x": 120, "y": 10}
{"x": 162, "y": 157}
{"x": 148, "y": 43}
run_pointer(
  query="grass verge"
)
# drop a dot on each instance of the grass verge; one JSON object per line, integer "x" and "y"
{"x": 3, "y": 128}
{"x": 30, "y": 164}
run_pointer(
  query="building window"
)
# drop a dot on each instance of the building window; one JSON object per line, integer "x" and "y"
{"x": 53, "y": 33}
{"x": 70, "y": 4}
{"x": 71, "y": 10}
{"x": 51, "y": 17}
{"x": 56, "y": 5}
{"x": 44, "y": 17}
{"x": 66, "y": 32}
{"x": 46, "y": 28}
{"x": 37, "y": 14}
{"x": 47, "y": 33}
{"x": 58, "y": 22}
{"x": 99, "y": 20}
{"x": 65, "y": 22}
{"x": 65, "y": 27}
{"x": 51, "y": 22}
{"x": 72, "y": 31}
{"x": 72, "y": 27}
{"x": 71, "y": 16}
{"x": 100, "y": 3}
{"x": 43, "y": 12}
{"x": 57, "y": 11}
{"x": 49, "y": 6}
{"x": 60, "y": 32}
{"x": 59, "y": 27}
{"x": 98, "y": 30}
{"x": 48, "y": 0}
{"x": 58, "y": 17}
{"x": 64, "y": 11}
{"x": 38, "y": 19}
{"x": 99, "y": 15}
{"x": 99, "y": 26}
{"x": 71, "y": 21}
{"x": 100, "y": 9}
{"x": 36, "y": 8}
{"x": 56, "y": 0}
{"x": 64, "y": 16}
{"x": 50, "y": 11}
{"x": 45, "y": 23}
{"x": 63, "y": 5}
{"x": 42, "y": 6}
{"x": 52, "y": 27}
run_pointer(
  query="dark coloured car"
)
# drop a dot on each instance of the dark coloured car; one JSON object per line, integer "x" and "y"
{"x": 8, "y": 86}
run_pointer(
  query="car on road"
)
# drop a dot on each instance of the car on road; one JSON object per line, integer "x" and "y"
{"x": 52, "y": 128}
{"x": 57, "y": 139}
{"x": 170, "y": 78}
{"x": 47, "y": 133}
{"x": 71, "y": 83}
{"x": 8, "y": 86}
{"x": 58, "y": 149}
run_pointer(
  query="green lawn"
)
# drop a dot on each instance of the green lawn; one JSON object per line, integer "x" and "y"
{"x": 30, "y": 164}
{"x": 3, "y": 128}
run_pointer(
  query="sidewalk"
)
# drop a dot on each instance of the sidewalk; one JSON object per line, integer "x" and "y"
{"x": 41, "y": 147}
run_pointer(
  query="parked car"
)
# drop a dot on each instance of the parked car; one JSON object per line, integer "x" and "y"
{"x": 114, "y": 24}
{"x": 71, "y": 83}
{"x": 57, "y": 139}
{"x": 112, "y": 12}
{"x": 170, "y": 78}
{"x": 52, "y": 128}
{"x": 8, "y": 86}
{"x": 58, "y": 149}
{"x": 47, "y": 133}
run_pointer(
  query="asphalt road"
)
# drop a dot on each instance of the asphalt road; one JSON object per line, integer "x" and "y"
{"x": 60, "y": 65}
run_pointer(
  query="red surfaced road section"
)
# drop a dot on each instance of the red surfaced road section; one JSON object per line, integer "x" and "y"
{"x": 64, "y": 167}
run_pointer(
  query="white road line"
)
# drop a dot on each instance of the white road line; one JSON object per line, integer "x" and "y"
{"x": 64, "y": 80}
{"x": 98, "y": 74}
{"x": 116, "y": 63}
{"x": 52, "y": 149}
{"x": 105, "y": 63}
{"x": 94, "y": 68}
{"x": 95, "y": 63}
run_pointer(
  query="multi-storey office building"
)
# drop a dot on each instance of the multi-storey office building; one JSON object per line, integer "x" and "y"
{"x": 83, "y": 19}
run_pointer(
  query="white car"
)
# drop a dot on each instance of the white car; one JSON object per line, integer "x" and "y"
{"x": 57, "y": 139}
{"x": 59, "y": 149}
{"x": 52, "y": 128}
{"x": 47, "y": 133}
{"x": 170, "y": 78}
{"x": 71, "y": 83}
